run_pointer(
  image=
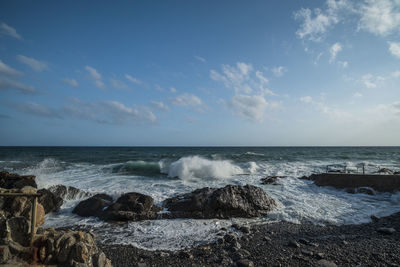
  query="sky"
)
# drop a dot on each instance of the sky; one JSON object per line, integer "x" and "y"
{"x": 200, "y": 73}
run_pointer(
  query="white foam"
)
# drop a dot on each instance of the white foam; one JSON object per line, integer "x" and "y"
{"x": 198, "y": 167}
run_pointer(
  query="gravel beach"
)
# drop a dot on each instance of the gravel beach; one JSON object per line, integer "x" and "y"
{"x": 281, "y": 244}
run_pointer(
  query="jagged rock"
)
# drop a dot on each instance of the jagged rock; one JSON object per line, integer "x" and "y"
{"x": 18, "y": 229}
{"x": 4, "y": 254}
{"x": 244, "y": 263}
{"x": 12, "y": 180}
{"x": 227, "y": 202}
{"x": 271, "y": 179}
{"x": 93, "y": 206}
{"x": 386, "y": 230}
{"x": 68, "y": 192}
{"x": 49, "y": 201}
{"x": 325, "y": 263}
{"x": 131, "y": 207}
{"x": 385, "y": 171}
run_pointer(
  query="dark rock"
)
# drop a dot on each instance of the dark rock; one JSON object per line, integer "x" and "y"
{"x": 293, "y": 244}
{"x": 244, "y": 263}
{"x": 229, "y": 238}
{"x": 92, "y": 206}
{"x": 271, "y": 179}
{"x": 240, "y": 254}
{"x": 49, "y": 201}
{"x": 366, "y": 190}
{"x": 131, "y": 207}
{"x": 227, "y": 202}
{"x": 304, "y": 241}
{"x": 267, "y": 239}
{"x": 386, "y": 230}
{"x": 4, "y": 254}
{"x": 19, "y": 229}
{"x": 385, "y": 171}
{"x": 15, "y": 181}
{"x": 68, "y": 192}
{"x": 320, "y": 255}
{"x": 307, "y": 252}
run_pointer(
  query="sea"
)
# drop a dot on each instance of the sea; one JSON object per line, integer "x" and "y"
{"x": 163, "y": 172}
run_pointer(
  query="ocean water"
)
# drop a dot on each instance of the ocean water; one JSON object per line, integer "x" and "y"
{"x": 162, "y": 172}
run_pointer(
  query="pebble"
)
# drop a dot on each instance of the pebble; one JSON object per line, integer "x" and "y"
{"x": 325, "y": 263}
{"x": 267, "y": 238}
{"x": 293, "y": 244}
{"x": 307, "y": 252}
{"x": 386, "y": 230}
{"x": 304, "y": 241}
{"x": 244, "y": 263}
{"x": 320, "y": 255}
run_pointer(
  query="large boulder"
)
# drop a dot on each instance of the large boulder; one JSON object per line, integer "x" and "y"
{"x": 49, "y": 201}
{"x": 132, "y": 207}
{"x": 12, "y": 180}
{"x": 227, "y": 202}
{"x": 93, "y": 206}
{"x": 68, "y": 192}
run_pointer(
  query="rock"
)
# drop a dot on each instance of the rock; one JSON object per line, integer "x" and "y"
{"x": 293, "y": 244}
{"x": 19, "y": 230}
{"x": 49, "y": 201}
{"x": 386, "y": 230}
{"x": 320, "y": 255}
{"x": 100, "y": 260}
{"x": 93, "y": 206}
{"x": 325, "y": 263}
{"x": 304, "y": 241}
{"x": 385, "y": 171}
{"x": 229, "y": 238}
{"x": 227, "y": 202}
{"x": 11, "y": 180}
{"x": 244, "y": 263}
{"x": 271, "y": 179}
{"x": 4, "y": 254}
{"x": 131, "y": 207}
{"x": 267, "y": 239}
{"x": 307, "y": 252}
{"x": 68, "y": 192}
{"x": 240, "y": 254}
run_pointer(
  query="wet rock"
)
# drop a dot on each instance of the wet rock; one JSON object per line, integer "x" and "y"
{"x": 307, "y": 252}
{"x": 4, "y": 254}
{"x": 230, "y": 238}
{"x": 271, "y": 179}
{"x": 93, "y": 206}
{"x": 131, "y": 207}
{"x": 19, "y": 230}
{"x": 320, "y": 255}
{"x": 49, "y": 201}
{"x": 304, "y": 241}
{"x": 227, "y": 202}
{"x": 386, "y": 230}
{"x": 240, "y": 254}
{"x": 68, "y": 192}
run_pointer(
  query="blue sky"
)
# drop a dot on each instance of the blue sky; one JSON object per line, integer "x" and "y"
{"x": 200, "y": 72}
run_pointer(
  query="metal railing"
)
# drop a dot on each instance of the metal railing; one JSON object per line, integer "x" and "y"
{"x": 362, "y": 168}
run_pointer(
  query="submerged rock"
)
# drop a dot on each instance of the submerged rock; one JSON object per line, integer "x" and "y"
{"x": 227, "y": 202}
{"x": 271, "y": 179}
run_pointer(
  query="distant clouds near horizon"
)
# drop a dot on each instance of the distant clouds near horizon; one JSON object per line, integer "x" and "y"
{"x": 225, "y": 73}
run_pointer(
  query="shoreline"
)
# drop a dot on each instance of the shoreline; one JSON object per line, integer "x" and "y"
{"x": 280, "y": 244}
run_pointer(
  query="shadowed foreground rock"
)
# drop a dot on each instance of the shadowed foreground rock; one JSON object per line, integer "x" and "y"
{"x": 68, "y": 192}
{"x": 227, "y": 202}
{"x": 15, "y": 181}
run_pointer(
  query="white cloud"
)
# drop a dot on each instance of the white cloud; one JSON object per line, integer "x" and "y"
{"x": 234, "y": 76}
{"x": 8, "y": 30}
{"x": 371, "y": 81}
{"x": 396, "y": 74}
{"x": 187, "y": 100}
{"x": 173, "y": 90}
{"x": 334, "y": 50}
{"x": 260, "y": 76}
{"x": 96, "y": 77}
{"x": 7, "y": 84}
{"x": 159, "y": 88}
{"x": 71, "y": 82}
{"x": 117, "y": 84}
{"x": 317, "y": 22}
{"x": 343, "y": 64}
{"x": 279, "y": 71}
{"x": 33, "y": 63}
{"x": 109, "y": 112}
{"x": 251, "y": 107}
{"x": 132, "y": 79}
{"x": 380, "y": 17}
{"x": 394, "y": 48}
{"x": 357, "y": 94}
{"x": 159, "y": 105}
{"x": 5, "y": 69}
{"x": 306, "y": 99}
{"x": 200, "y": 59}
{"x": 36, "y": 110}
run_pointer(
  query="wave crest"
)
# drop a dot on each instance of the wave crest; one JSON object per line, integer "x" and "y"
{"x": 198, "y": 167}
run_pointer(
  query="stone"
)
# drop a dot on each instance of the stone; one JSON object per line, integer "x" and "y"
{"x": 65, "y": 248}
{"x": 304, "y": 241}
{"x": 386, "y": 230}
{"x": 307, "y": 252}
{"x": 19, "y": 230}
{"x": 100, "y": 260}
{"x": 293, "y": 244}
{"x": 244, "y": 263}
{"x": 4, "y": 254}
{"x": 271, "y": 179}
{"x": 365, "y": 190}
{"x": 92, "y": 206}
{"x": 11, "y": 180}
{"x": 320, "y": 255}
{"x": 49, "y": 201}
{"x": 240, "y": 254}
{"x": 325, "y": 263}
{"x": 68, "y": 192}
{"x": 385, "y": 171}
{"x": 221, "y": 203}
